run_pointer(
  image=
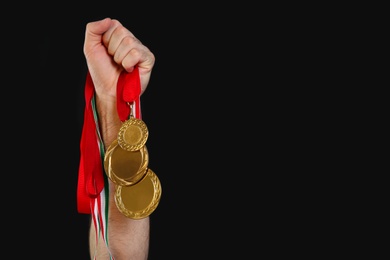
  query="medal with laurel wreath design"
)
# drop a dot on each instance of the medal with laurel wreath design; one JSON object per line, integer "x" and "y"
{"x": 141, "y": 199}
{"x": 133, "y": 134}
{"x": 125, "y": 167}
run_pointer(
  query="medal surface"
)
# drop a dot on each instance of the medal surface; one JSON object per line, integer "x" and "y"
{"x": 125, "y": 167}
{"x": 140, "y": 200}
{"x": 133, "y": 134}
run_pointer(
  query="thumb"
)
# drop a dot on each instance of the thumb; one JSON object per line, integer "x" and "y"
{"x": 94, "y": 33}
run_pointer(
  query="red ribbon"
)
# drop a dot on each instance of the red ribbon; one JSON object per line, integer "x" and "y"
{"x": 91, "y": 174}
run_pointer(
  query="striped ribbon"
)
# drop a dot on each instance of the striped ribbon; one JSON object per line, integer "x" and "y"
{"x": 92, "y": 188}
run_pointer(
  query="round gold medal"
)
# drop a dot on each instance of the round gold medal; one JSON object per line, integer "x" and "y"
{"x": 125, "y": 167}
{"x": 140, "y": 200}
{"x": 133, "y": 134}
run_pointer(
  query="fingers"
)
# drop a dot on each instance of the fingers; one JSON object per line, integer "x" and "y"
{"x": 140, "y": 56}
{"x": 121, "y": 44}
{"x": 126, "y": 49}
{"x": 113, "y": 36}
{"x": 109, "y": 48}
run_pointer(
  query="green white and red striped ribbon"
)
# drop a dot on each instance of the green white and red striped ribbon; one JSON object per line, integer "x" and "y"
{"x": 93, "y": 188}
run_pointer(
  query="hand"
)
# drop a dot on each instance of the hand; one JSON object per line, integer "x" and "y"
{"x": 110, "y": 48}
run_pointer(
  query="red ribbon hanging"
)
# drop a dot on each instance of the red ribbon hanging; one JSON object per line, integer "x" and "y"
{"x": 91, "y": 173}
{"x": 90, "y": 177}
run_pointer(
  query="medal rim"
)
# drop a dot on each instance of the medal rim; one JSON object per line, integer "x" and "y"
{"x": 137, "y": 177}
{"x": 147, "y": 211}
{"x": 122, "y": 132}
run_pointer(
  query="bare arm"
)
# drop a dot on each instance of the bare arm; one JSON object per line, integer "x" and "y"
{"x": 110, "y": 48}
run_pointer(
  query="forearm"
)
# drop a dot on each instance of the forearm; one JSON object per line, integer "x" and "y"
{"x": 133, "y": 245}
{"x": 108, "y": 118}
{"x": 127, "y": 238}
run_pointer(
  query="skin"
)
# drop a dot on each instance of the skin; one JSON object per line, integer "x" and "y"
{"x": 110, "y": 48}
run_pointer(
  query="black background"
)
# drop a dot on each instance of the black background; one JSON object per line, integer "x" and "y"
{"x": 164, "y": 109}
{"x": 232, "y": 138}
{"x": 195, "y": 107}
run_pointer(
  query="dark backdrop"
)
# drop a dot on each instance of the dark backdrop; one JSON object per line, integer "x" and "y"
{"x": 195, "y": 108}
{"x": 61, "y": 78}
{"x": 171, "y": 107}
{"x": 227, "y": 141}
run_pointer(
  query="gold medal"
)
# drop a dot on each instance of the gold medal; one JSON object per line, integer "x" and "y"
{"x": 140, "y": 200}
{"x": 133, "y": 134}
{"x": 125, "y": 167}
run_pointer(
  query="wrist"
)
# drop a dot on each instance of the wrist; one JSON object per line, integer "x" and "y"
{"x": 108, "y": 119}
